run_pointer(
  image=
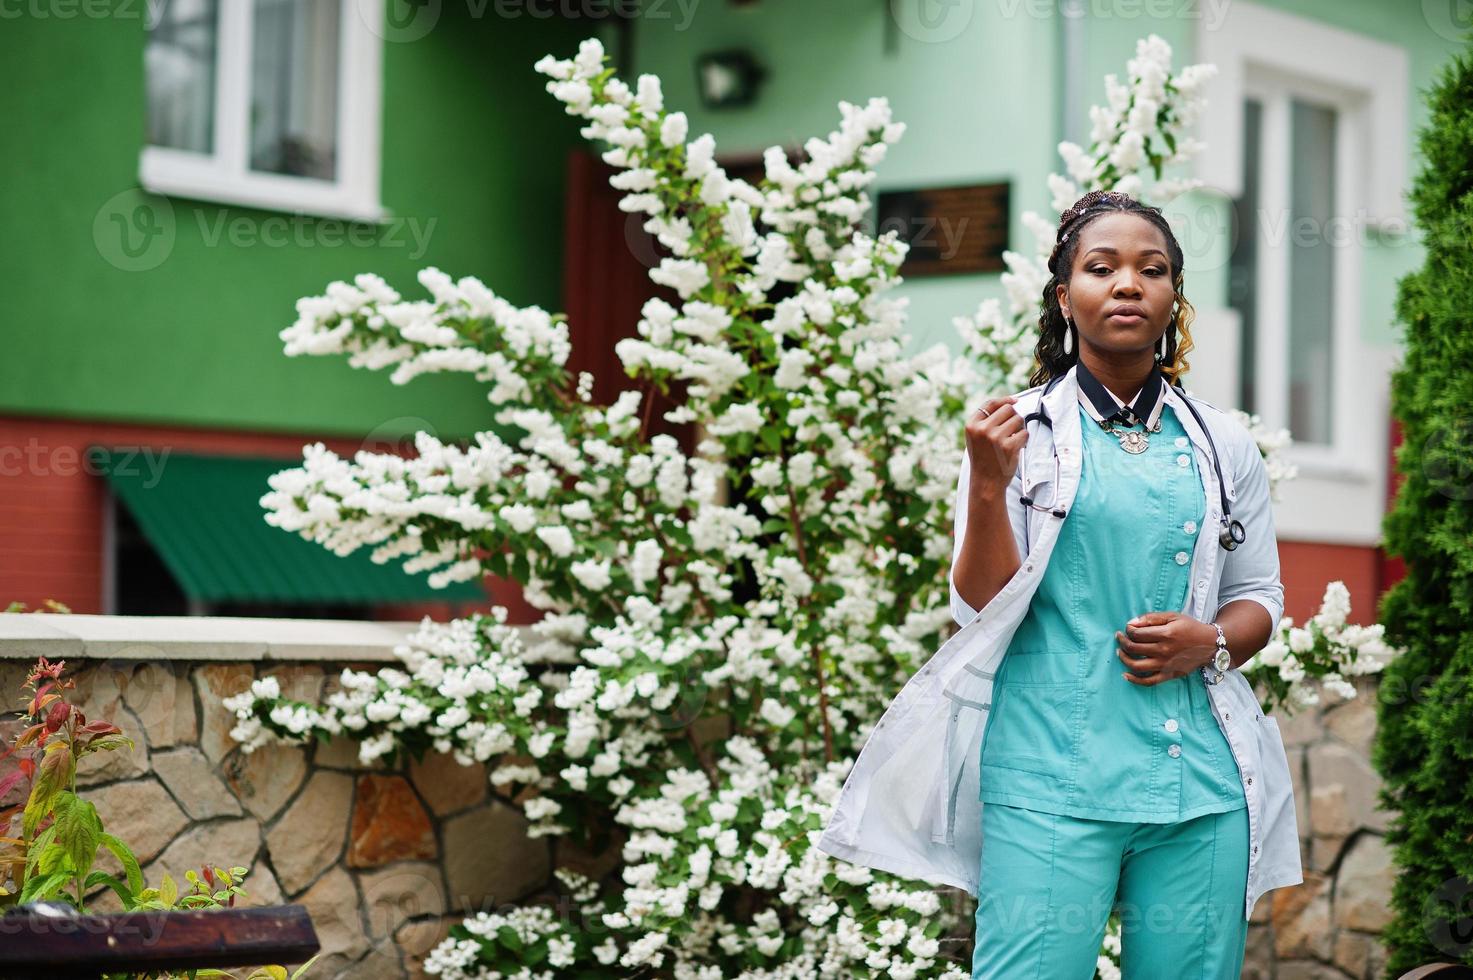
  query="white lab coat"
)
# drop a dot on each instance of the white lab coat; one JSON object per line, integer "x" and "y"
{"x": 910, "y": 803}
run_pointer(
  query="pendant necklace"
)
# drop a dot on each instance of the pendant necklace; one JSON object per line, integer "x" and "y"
{"x": 1134, "y": 441}
{"x": 1120, "y": 419}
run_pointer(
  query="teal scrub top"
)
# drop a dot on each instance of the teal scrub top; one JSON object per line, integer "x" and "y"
{"x": 1066, "y": 732}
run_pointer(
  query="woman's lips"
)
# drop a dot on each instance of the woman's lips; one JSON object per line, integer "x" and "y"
{"x": 1127, "y": 317}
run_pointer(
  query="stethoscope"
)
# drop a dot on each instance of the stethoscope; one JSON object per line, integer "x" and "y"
{"x": 1229, "y": 535}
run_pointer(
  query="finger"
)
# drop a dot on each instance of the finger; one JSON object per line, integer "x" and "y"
{"x": 1015, "y": 439}
{"x": 1003, "y": 426}
{"x": 998, "y": 403}
{"x": 1142, "y": 663}
{"x": 1150, "y": 681}
{"x": 1134, "y": 643}
{"x": 1000, "y": 414}
{"x": 1148, "y": 634}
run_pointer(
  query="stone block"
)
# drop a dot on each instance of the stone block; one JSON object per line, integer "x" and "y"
{"x": 489, "y": 860}
{"x": 160, "y": 697}
{"x": 141, "y": 814}
{"x": 389, "y": 823}
{"x": 333, "y": 903}
{"x": 446, "y": 785}
{"x": 1301, "y": 919}
{"x": 1343, "y": 789}
{"x": 220, "y": 843}
{"x": 1363, "y": 885}
{"x": 214, "y": 683}
{"x": 266, "y": 777}
{"x": 399, "y": 893}
{"x": 309, "y": 837}
{"x": 192, "y": 780}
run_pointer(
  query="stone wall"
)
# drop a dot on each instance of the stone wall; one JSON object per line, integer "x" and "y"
{"x": 385, "y": 858}
{"x": 1329, "y": 926}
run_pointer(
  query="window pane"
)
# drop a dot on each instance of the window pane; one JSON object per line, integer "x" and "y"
{"x": 1243, "y": 263}
{"x": 1311, "y": 272}
{"x": 179, "y": 62}
{"x": 294, "y": 87}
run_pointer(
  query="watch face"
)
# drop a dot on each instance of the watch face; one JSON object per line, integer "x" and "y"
{"x": 1223, "y": 660}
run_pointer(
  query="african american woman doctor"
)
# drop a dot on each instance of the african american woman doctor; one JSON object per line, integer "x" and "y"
{"x": 1085, "y": 742}
{"x": 1106, "y": 780}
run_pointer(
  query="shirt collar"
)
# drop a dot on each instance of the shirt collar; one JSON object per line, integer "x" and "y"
{"x": 1103, "y": 406}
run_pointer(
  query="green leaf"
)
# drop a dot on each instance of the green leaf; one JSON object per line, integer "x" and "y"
{"x": 103, "y": 878}
{"x": 54, "y": 773}
{"x": 168, "y": 891}
{"x": 44, "y": 886}
{"x": 126, "y": 858}
{"x": 107, "y": 743}
{"x": 508, "y": 937}
{"x": 80, "y": 834}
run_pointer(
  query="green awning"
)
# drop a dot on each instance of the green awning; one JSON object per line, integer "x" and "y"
{"x": 203, "y": 516}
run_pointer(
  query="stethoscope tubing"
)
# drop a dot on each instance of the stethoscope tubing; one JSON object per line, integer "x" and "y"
{"x": 1231, "y": 532}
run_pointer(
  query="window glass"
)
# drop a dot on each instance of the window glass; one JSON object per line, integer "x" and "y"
{"x": 179, "y": 63}
{"x": 294, "y": 87}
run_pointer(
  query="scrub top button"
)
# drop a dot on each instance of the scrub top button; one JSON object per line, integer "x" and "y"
{"x": 1181, "y": 557}
{"x": 1173, "y": 750}
{"x": 1181, "y": 442}
{"x": 1183, "y": 460}
{"x": 1190, "y": 527}
{"x": 1170, "y": 724}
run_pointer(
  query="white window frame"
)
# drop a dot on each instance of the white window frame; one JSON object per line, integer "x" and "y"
{"x": 224, "y": 175}
{"x": 1273, "y": 56}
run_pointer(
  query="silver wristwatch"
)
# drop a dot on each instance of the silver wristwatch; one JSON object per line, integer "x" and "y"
{"x": 1221, "y": 659}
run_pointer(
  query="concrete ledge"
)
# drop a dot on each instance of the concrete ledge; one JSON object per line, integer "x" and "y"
{"x": 26, "y": 636}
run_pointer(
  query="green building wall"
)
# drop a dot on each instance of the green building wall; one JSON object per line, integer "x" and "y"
{"x": 473, "y": 162}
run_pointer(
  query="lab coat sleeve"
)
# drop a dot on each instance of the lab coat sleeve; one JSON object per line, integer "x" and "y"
{"x": 960, "y": 610}
{"x": 1251, "y": 571}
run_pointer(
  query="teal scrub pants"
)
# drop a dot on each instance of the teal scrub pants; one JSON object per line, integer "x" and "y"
{"x": 1049, "y": 883}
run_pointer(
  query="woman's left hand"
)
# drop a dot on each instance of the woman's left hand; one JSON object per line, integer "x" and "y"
{"x": 1161, "y": 646}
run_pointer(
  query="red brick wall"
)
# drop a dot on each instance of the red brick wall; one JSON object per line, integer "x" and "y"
{"x": 51, "y": 507}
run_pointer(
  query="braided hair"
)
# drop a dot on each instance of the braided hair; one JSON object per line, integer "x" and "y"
{"x": 1049, "y": 357}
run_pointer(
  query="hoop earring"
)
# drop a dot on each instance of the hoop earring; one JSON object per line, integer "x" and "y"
{"x": 1068, "y": 336}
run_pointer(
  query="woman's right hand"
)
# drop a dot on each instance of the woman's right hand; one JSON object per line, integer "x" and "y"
{"x": 993, "y": 443}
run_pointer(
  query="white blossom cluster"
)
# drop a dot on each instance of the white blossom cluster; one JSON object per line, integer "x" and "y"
{"x": 1271, "y": 444}
{"x": 1327, "y": 641}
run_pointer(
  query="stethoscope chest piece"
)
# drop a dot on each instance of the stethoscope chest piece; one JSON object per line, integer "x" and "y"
{"x": 1232, "y": 534}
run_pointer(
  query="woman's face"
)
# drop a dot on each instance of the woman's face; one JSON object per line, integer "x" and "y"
{"x": 1120, "y": 290}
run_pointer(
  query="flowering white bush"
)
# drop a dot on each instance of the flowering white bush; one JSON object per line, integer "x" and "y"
{"x": 710, "y": 731}
{"x": 1320, "y": 654}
